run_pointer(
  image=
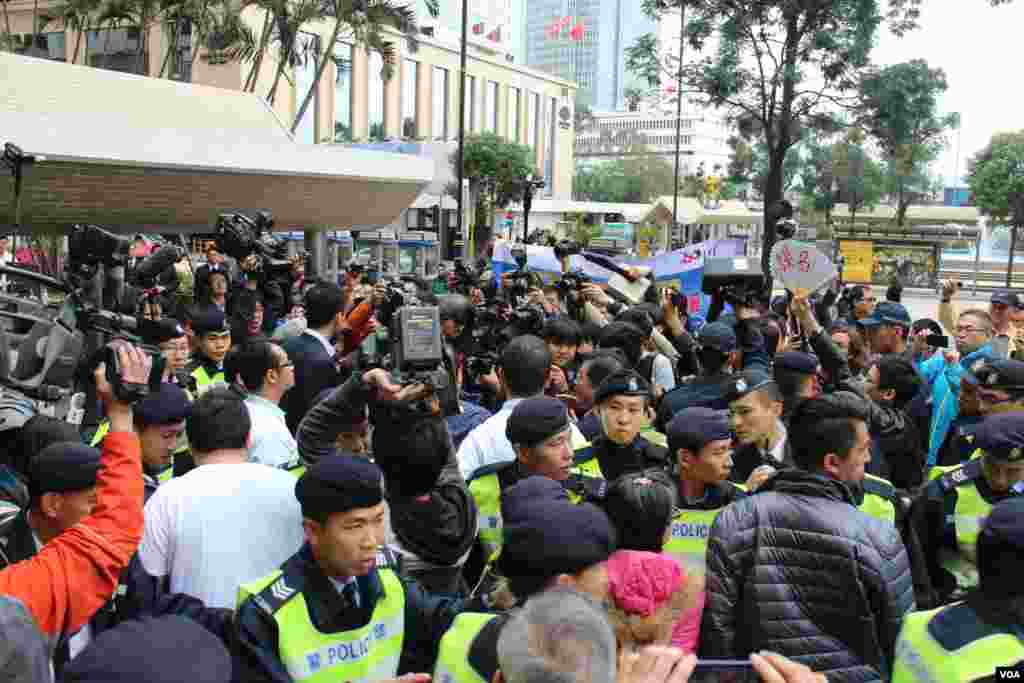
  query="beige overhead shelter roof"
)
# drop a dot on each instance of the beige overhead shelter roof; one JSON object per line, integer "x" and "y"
{"x": 631, "y": 213}
{"x": 729, "y": 212}
{"x": 138, "y": 153}
{"x": 915, "y": 214}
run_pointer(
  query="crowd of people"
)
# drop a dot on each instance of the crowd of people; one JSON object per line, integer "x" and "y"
{"x": 789, "y": 489}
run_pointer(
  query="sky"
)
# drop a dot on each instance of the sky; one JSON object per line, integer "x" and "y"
{"x": 978, "y": 46}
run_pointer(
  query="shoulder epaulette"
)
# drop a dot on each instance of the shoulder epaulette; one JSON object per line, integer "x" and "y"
{"x": 960, "y": 476}
{"x": 276, "y": 595}
{"x": 582, "y": 455}
{"x": 957, "y": 626}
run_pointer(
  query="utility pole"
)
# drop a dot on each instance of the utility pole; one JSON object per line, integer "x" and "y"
{"x": 679, "y": 115}
{"x": 462, "y": 130}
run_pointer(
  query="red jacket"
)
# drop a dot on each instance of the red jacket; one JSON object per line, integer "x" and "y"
{"x": 76, "y": 573}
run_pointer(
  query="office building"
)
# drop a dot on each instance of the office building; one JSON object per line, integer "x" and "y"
{"x": 594, "y": 56}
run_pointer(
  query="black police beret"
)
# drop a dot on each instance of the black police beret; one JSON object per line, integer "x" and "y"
{"x": 210, "y": 320}
{"x": 168, "y": 405}
{"x": 796, "y": 362}
{"x": 999, "y": 375}
{"x": 552, "y": 538}
{"x": 535, "y": 419}
{"x": 65, "y": 466}
{"x": 1005, "y": 523}
{"x": 718, "y": 336}
{"x": 339, "y": 483}
{"x": 159, "y": 331}
{"x": 151, "y": 650}
{"x": 694, "y": 428}
{"x": 1001, "y": 437}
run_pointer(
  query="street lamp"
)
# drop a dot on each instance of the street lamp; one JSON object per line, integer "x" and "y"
{"x": 530, "y": 185}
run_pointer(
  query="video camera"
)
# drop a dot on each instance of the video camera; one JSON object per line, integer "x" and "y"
{"x": 564, "y": 248}
{"x": 738, "y": 280}
{"x": 241, "y": 237}
{"x": 491, "y": 327}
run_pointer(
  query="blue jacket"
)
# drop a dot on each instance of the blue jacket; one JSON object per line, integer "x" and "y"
{"x": 945, "y": 386}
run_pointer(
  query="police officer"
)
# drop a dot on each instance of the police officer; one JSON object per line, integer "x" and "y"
{"x": 700, "y": 441}
{"x": 547, "y": 541}
{"x": 213, "y": 337}
{"x": 329, "y": 613}
{"x": 796, "y": 374}
{"x": 159, "y": 421}
{"x": 539, "y": 430}
{"x": 951, "y": 509}
{"x": 621, "y": 403}
{"x": 719, "y": 354}
{"x": 969, "y": 640}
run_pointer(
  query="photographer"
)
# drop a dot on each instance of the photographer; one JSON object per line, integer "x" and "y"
{"x": 63, "y": 584}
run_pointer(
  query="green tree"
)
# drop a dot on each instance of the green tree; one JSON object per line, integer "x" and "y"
{"x": 859, "y": 178}
{"x": 72, "y": 15}
{"x": 785, "y": 64}
{"x": 638, "y": 178}
{"x": 996, "y": 178}
{"x": 817, "y": 178}
{"x": 495, "y": 169}
{"x": 899, "y": 111}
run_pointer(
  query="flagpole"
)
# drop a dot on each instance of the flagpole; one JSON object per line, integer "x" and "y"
{"x": 679, "y": 117}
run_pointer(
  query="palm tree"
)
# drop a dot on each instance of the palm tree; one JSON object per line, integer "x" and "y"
{"x": 292, "y": 51}
{"x": 73, "y": 15}
{"x": 366, "y": 21}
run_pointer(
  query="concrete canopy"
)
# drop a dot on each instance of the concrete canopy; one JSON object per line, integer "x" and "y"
{"x": 145, "y": 154}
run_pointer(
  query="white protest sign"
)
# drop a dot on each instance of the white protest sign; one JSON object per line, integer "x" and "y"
{"x": 801, "y": 267}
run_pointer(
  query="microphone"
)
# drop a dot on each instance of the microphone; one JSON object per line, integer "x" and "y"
{"x": 156, "y": 263}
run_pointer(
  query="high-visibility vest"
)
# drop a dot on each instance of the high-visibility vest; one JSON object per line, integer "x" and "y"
{"x": 365, "y": 654}
{"x": 204, "y": 382}
{"x": 688, "y": 540}
{"x": 970, "y": 512}
{"x": 952, "y": 644}
{"x": 486, "y": 492}
{"x": 101, "y": 432}
{"x": 939, "y": 470}
{"x": 879, "y": 499}
{"x": 453, "y": 653}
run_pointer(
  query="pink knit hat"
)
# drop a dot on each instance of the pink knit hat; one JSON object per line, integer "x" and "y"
{"x": 640, "y": 582}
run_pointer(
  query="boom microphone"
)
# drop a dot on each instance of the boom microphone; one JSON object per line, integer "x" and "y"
{"x": 153, "y": 265}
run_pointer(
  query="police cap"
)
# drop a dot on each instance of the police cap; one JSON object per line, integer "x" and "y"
{"x": 167, "y": 405}
{"x": 622, "y": 383}
{"x": 536, "y": 419}
{"x": 1001, "y": 437}
{"x": 796, "y": 362}
{"x": 339, "y": 483}
{"x": 694, "y": 428}
{"x": 64, "y": 466}
{"x": 718, "y": 336}
{"x": 159, "y": 331}
{"x": 998, "y": 375}
{"x": 210, "y": 320}
{"x": 747, "y": 382}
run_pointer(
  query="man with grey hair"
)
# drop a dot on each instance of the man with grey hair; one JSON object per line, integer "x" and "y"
{"x": 559, "y": 636}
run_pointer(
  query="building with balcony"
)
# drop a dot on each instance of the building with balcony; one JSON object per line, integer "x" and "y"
{"x": 616, "y": 135}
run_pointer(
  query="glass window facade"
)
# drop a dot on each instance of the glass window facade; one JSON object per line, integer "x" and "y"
{"x": 439, "y": 104}
{"x": 491, "y": 107}
{"x": 48, "y": 45}
{"x": 410, "y": 70}
{"x": 375, "y": 104}
{"x": 116, "y": 49}
{"x": 513, "y": 114}
{"x": 305, "y": 74}
{"x": 342, "y": 92}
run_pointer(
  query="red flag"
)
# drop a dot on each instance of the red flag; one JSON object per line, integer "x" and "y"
{"x": 478, "y": 28}
{"x": 577, "y": 31}
{"x": 495, "y": 35}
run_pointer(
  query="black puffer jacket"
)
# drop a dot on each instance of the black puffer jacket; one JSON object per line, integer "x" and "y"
{"x": 795, "y": 569}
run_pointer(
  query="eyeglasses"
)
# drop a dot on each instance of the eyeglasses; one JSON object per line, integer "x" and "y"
{"x": 967, "y": 329}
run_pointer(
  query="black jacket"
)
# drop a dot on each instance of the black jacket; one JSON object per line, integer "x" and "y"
{"x": 748, "y": 458}
{"x": 427, "y": 618}
{"x": 795, "y": 569}
{"x": 616, "y": 460}
{"x": 315, "y": 370}
{"x": 319, "y": 427}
